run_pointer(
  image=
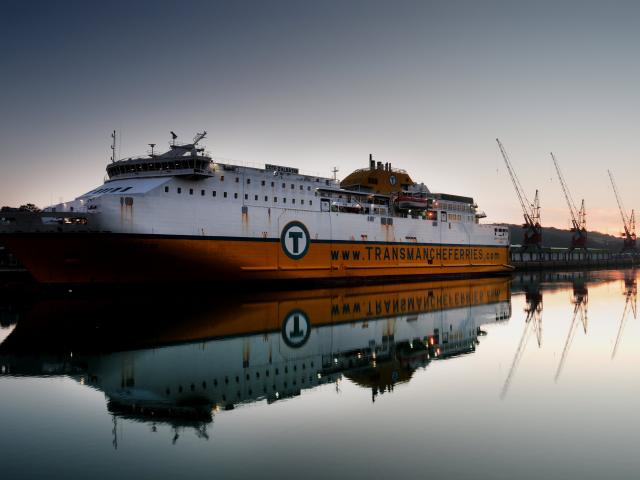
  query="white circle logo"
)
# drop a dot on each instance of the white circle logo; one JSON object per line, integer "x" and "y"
{"x": 392, "y": 180}
{"x": 296, "y": 329}
{"x": 295, "y": 240}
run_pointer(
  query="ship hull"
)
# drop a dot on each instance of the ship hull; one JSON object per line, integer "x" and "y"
{"x": 78, "y": 258}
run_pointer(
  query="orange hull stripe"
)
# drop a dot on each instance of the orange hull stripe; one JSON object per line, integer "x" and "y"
{"x": 95, "y": 258}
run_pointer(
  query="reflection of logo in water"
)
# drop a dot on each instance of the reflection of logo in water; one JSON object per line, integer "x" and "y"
{"x": 392, "y": 179}
{"x": 295, "y": 240}
{"x": 296, "y": 329}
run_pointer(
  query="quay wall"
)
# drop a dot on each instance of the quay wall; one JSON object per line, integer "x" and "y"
{"x": 560, "y": 258}
{"x": 520, "y": 258}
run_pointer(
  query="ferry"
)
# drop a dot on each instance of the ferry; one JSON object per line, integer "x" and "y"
{"x": 233, "y": 352}
{"x": 183, "y": 215}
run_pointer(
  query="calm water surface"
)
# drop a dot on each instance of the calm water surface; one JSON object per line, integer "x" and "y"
{"x": 530, "y": 377}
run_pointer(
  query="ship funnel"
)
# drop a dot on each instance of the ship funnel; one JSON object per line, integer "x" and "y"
{"x": 372, "y": 163}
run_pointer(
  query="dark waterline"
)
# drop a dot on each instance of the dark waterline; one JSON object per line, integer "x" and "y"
{"x": 528, "y": 377}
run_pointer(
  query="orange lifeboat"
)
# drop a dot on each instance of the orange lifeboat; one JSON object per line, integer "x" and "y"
{"x": 414, "y": 201}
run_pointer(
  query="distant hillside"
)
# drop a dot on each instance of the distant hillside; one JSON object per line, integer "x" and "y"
{"x": 555, "y": 237}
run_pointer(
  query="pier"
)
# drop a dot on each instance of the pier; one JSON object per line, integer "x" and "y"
{"x": 546, "y": 258}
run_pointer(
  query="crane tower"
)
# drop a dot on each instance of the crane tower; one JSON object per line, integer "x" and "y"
{"x": 530, "y": 210}
{"x": 578, "y": 217}
{"x": 628, "y": 222}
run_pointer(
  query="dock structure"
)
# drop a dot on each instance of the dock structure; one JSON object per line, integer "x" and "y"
{"x": 545, "y": 258}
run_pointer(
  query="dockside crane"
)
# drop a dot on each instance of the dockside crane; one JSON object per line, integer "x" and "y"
{"x": 530, "y": 210}
{"x": 629, "y": 222}
{"x": 578, "y": 217}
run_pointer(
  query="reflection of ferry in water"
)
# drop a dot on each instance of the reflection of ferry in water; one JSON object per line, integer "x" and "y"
{"x": 183, "y": 216}
{"x": 267, "y": 348}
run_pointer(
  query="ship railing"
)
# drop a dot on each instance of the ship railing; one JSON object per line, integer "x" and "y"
{"x": 393, "y": 169}
{"x": 155, "y": 173}
{"x": 222, "y": 161}
{"x": 260, "y": 166}
{"x": 157, "y": 156}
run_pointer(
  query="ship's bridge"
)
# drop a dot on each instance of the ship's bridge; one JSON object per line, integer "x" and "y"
{"x": 182, "y": 159}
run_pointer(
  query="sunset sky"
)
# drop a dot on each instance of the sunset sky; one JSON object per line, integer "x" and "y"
{"x": 425, "y": 85}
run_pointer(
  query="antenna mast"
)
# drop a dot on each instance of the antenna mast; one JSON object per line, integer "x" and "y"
{"x": 113, "y": 146}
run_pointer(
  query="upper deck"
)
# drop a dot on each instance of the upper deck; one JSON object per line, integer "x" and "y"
{"x": 182, "y": 159}
{"x": 378, "y": 190}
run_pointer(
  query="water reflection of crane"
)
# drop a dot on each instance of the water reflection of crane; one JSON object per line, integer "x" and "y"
{"x": 631, "y": 296}
{"x": 533, "y": 322}
{"x": 580, "y": 301}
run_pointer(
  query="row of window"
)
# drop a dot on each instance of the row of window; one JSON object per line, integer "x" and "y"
{"x": 294, "y": 383}
{"x": 455, "y": 207}
{"x": 214, "y": 193}
{"x": 247, "y": 376}
{"x": 273, "y": 184}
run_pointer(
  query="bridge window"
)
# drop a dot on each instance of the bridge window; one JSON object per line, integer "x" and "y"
{"x": 248, "y": 181}
{"x": 310, "y": 202}
{"x": 179, "y": 189}
{"x": 166, "y": 189}
{"x": 222, "y": 178}
{"x": 301, "y": 187}
{"x": 284, "y": 200}
{"x": 266, "y": 199}
{"x": 224, "y": 194}
{"x": 213, "y": 193}
{"x": 235, "y": 195}
{"x": 237, "y": 179}
{"x": 191, "y": 191}
{"x": 284, "y": 185}
{"x": 202, "y": 192}
{"x": 262, "y": 183}
{"x": 246, "y": 196}
{"x": 293, "y": 200}
{"x": 275, "y": 199}
{"x": 302, "y": 202}
{"x": 292, "y": 186}
{"x": 256, "y": 198}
